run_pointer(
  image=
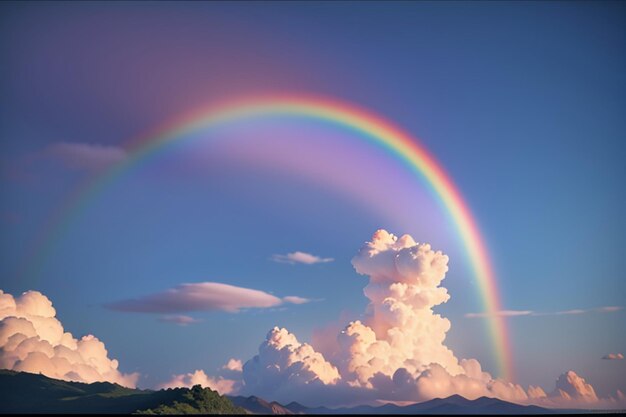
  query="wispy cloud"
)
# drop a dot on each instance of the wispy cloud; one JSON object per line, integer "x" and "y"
{"x": 301, "y": 258}
{"x": 202, "y": 296}
{"x": 85, "y": 156}
{"x": 179, "y": 319}
{"x": 613, "y": 356}
{"x": 294, "y": 299}
{"x": 502, "y": 313}
{"x": 609, "y": 309}
{"x": 514, "y": 313}
{"x": 567, "y": 312}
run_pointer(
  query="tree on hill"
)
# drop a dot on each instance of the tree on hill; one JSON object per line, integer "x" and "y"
{"x": 196, "y": 400}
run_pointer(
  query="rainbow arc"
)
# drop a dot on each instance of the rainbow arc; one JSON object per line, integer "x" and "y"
{"x": 369, "y": 128}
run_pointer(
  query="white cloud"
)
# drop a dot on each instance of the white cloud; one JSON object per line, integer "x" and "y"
{"x": 570, "y": 385}
{"x": 283, "y": 363}
{"x": 202, "y": 296}
{"x": 570, "y": 312}
{"x": 572, "y": 391}
{"x": 294, "y": 299}
{"x": 515, "y": 313}
{"x": 233, "y": 365}
{"x": 301, "y": 258}
{"x": 400, "y": 329}
{"x": 179, "y": 319}
{"x": 609, "y": 309}
{"x": 613, "y": 356}
{"x": 86, "y": 156}
{"x": 198, "y": 377}
{"x": 228, "y": 380}
{"x": 33, "y": 340}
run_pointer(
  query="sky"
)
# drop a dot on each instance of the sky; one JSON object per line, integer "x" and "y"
{"x": 522, "y": 104}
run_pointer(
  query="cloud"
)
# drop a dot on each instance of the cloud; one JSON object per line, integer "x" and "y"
{"x": 228, "y": 380}
{"x": 570, "y": 312}
{"x": 283, "y": 363}
{"x": 613, "y": 356}
{"x": 85, "y": 156}
{"x": 301, "y": 258}
{"x": 570, "y": 385}
{"x": 609, "y": 309}
{"x": 573, "y": 391}
{"x": 396, "y": 352}
{"x": 570, "y": 390}
{"x": 33, "y": 340}
{"x": 502, "y": 313}
{"x": 198, "y": 377}
{"x": 294, "y": 299}
{"x": 233, "y": 365}
{"x": 515, "y": 313}
{"x": 179, "y": 319}
{"x": 202, "y": 296}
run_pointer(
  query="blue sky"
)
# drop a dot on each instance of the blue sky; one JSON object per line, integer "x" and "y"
{"x": 522, "y": 103}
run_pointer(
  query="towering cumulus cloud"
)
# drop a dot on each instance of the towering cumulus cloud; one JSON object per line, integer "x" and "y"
{"x": 33, "y": 340}
{"x": 397, "y": 352}
{"x": 400, "y": 331}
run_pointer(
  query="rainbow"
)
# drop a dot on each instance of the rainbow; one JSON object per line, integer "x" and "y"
{"x": 369, "y": 127}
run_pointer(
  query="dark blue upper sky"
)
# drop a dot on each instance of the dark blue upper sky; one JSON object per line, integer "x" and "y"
{"x": 521, "y": 102}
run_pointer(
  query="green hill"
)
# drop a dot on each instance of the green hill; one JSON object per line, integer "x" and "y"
{"x": 21, "y": 392}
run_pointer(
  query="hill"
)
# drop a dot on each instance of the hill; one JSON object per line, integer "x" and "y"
{"x": 258, "y": 405}
{"x": 22, "y": 392}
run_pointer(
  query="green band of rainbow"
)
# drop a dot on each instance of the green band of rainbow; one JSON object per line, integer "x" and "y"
{"x": 370, "y": 128}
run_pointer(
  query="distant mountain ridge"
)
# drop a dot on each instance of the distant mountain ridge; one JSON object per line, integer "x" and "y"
{"x": 454, "y": 404}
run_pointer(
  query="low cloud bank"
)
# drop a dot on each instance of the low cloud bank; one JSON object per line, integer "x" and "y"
{"x": 397, "y": 351}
